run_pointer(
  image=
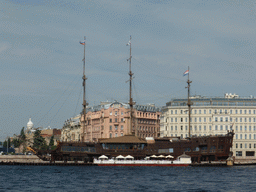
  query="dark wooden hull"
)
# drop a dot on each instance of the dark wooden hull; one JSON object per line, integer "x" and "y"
{"x": 205, "y": 148}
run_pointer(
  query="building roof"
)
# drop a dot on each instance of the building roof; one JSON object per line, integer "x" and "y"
{"x": 124, "y": 139}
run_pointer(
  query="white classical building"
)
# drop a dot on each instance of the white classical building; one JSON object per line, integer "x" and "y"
{"x": 71, "y": 129}
{"x": 214, "y": 116}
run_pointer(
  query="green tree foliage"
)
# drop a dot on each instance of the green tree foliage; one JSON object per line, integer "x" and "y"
{"x": 22, "y": 136}
{"x": 16, "y": 142}
{"x": 9, "y": 143}
{"x": 39, "y": 141}
{"x": 51, "y": 143}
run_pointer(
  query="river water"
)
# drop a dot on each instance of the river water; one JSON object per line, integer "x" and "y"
{"x": 87, "y": 178}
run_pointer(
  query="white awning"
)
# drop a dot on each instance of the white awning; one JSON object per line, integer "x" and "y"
{"x": 160, "y": 156}
{"x": 120, "y": 157}
{"x": 103, "y": 157}
{"x": 153, "y": 156}
{"x": 169, "y": 156}
{"x": 129, "y": 157}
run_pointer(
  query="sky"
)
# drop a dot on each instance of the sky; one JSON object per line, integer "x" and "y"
{"x": 41, "y": 63}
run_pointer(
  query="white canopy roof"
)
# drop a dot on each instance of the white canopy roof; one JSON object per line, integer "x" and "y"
{"x": 169, "y": 156}
{"x": 160, "y": 156}
{"x": 129, "y": 157}
{"x": 103, "y": 157}
{"x": 153, "y": 156}
{"x": 120, "y": 157}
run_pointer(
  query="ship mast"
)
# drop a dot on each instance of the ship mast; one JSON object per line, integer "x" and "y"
{"x": 84, "y": 100}
{"x": 131, "y": 103}
{"x": 189, "y": 105}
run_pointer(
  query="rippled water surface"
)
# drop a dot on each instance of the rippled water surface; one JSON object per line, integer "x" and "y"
{"x": 55, "y": 178}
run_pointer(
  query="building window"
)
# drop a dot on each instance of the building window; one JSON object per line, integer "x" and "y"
{"x": 241, "y": 111}
{"x": 199, "y": 127}
{"x": 181, "y": 111}
{"x": 122, "y": 134}
{"x": 115, "y": 113}
{"x": 226, "y": 127}
{"x": 195, "y": 111}
{"x": 226, "y": 119}
{"x": 171, "y": 112}
{"x": 175, "y": 111}
{"x": 175, "y": 119}
{"x": 199, "y": 119}
{"x": 110, "y": 127}
{"x": 220, "y": 111}
{"x": 241, "y": 145}
{"x": 250, "y": 128}
{"x": 122, "y": 127}
{"x": 250, "y": 153}
{"x": 221, "y": 128}
{"x": 122, "y": 113}
{"x": 181, "y": 119}
{"x": 250, "y": 145}
{"x": 241, "y": 128}
{"x": 186, "y": 127}
{"x": 241, "y": 119}
{"x": 210, "y": 119}
{"x": 245, "y": 119}
{"x": 181, "y": 127}
{"x": 249, "y": 111}
{"x": 239, "y": 153}
{"x": 249, "y": 119}
{"x": 116, "y": 135}
{"x": 236, "y": 128}
{"x": 236, "y": 136}
{"x": 115, "y": 119}
{"x": 245, "y": 136}
{"x": 245, "y": 145}
{"x": 236, "y": 111}
{"x": 245, "y": 128}
{"x": 215, "y": 111}
{"x": 230, "y": 119}
{"x": 116, "y": 127}
{"x": 110, "y": 120}
{"x": 216, "y": 119}
{"x": 210, "y": 127}
{"x": 244, "y": 111}
{"x": 195, "y": 119}
{"x": 171, "y": 119}
{"x": 210, "y": 111}
{"x": 204, "y": 111}
{"x": 221, "y": 119}
{"x": 171, "y": 128}
{"x": 230, "y": 111}
{"x": 241, "y": 136}
{"x": 199, "y": 111}
{"x": 205, "y": 127}
{"x": 175, "y": 128}
{"x": 205, "y": 119}
{"x": 216, "y": 127}
{"x": 110, "y": 135}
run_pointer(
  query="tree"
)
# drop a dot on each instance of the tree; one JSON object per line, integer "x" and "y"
{"x": 39, "y": 141}
{"x": 22, "y": 135}
{"x": 16, "y": 142}
{"x": 9, "y": 143}
{"x": 51, "y": 143}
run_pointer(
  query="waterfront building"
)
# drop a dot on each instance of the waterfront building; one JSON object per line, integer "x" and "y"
{"x": 112, "y": 119}
{"x": 71, "y": 129}
{"x": 214, "y": 116}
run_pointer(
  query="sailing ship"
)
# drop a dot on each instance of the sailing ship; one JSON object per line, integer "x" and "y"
{"x": 199, "y": 148}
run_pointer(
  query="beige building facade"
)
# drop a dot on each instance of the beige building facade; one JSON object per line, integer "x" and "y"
{"x": 71, "y": 129}
{"x": 214, "y": 116}
{"x": 112, "y": 119}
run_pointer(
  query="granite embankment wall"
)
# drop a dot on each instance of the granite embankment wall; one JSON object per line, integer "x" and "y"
{"x": 20, "y": 158}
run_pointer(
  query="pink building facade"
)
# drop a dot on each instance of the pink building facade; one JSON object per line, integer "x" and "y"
{"x": 113, "y": 120}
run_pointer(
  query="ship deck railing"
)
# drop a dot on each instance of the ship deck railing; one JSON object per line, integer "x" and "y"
{"x": 113, "y": 161}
